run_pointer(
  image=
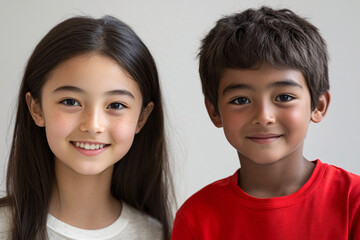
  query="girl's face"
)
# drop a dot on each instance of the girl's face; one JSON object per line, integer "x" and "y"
{"x": 91, "y": 110}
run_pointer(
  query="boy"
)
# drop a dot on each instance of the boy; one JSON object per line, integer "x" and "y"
{"x": 265, "y": 77}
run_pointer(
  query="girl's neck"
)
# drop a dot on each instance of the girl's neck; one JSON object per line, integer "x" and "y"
{"x": 83, "y": 201}
{"x": 279, "y": 179}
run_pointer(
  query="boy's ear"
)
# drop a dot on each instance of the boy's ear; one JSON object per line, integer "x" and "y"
{"x": 144, "y": 115}
{"x": 320, "y": 111}
{"x": 213, "y": 114}
{"x": 35, "y": 110}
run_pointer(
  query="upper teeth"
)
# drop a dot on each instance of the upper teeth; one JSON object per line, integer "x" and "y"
{"x": 89, "y": 146}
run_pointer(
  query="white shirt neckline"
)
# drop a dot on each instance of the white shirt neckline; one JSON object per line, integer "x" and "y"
{"x": 68, "y": 231}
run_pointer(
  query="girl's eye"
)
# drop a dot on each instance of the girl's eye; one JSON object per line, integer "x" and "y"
{"x": 115, "y": 105}
{"x": 241, "y": 101}
{"x": 284, "y": 98}
{"x": 70, "y": 102}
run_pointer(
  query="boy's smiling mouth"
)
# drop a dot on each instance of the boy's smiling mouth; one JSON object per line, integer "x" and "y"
{"x": 263, "y": 138}
{"x": 89, "y": 146}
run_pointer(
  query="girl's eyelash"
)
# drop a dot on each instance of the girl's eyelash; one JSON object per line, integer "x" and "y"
{"x": 240, "y": 101}
{"x": 116, "y": 105}
{"x": 284, "y": 98}
{"x": 74, "y": 103}
{"x": 70, "y": 102}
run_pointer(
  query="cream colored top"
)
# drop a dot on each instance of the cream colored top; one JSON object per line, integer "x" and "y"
{"x": 132, "y": 224}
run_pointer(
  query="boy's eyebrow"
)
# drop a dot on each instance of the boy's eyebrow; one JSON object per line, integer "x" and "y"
{"x": 79, "y": 90}
{"x": 283, "y": 83}
{"x": 236, "y": 86}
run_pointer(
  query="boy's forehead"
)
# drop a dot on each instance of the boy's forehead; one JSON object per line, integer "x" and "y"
{"x": 261, "y": 71}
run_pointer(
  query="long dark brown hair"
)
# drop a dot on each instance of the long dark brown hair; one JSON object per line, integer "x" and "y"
{"x": 142, "y": 177}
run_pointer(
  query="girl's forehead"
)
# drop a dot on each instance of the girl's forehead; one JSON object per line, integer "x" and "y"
{"x": 93, "y": 73}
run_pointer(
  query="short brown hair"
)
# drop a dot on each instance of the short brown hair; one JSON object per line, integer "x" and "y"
{"x": 250, "y": 38}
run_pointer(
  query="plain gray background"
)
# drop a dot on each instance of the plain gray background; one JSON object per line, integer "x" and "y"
{"x": 172, "y": 30}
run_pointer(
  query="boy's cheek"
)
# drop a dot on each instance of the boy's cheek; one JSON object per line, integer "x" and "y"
{"x": 232, "y": 123}
{"x": 296, "y": 116}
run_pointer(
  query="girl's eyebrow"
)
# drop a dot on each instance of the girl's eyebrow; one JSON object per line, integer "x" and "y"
{"x": 68, "y": 89}
{"x": 120, "y": 92}
{"x": 79, "y": 90}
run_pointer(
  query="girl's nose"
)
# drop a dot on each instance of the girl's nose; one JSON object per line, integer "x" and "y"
{"x": 92, "y": 122}
{"x": 264, "y": 115}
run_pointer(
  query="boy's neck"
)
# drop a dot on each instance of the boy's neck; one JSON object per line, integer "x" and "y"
{"x": 278, "y": 179}
{"x": 84, "y": 201}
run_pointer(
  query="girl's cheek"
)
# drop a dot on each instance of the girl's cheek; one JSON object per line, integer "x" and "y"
{"x": 123, "y": 129}
{"x": 59, "y": 123}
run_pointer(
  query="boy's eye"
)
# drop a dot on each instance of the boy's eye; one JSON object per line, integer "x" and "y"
{"x": 241, "y": 101}
{"x": 115, "y": 105}
{"x": 70, "y": 102}
{"x": 284, "y": 98}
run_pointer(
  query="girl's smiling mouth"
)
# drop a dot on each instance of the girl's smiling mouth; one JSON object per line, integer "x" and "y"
{"x": 89, "y": 145}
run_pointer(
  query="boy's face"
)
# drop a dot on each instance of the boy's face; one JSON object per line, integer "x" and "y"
{"x": 265, "y": 112}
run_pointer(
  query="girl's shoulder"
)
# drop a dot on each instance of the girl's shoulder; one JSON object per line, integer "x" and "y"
{"x": 5, "y": 222}
{"x": 141, "y": 224}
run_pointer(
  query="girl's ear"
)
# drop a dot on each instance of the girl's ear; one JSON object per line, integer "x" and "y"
{"x": 144, "y": 115}
{"x": 35, "y": 110}
{"x": 213, "y": 114}
{"x": 320, "y": 111}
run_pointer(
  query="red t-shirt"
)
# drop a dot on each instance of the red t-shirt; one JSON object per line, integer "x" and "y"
{"x": 326, "y": 207}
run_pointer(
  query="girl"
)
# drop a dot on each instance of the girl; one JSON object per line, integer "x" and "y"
{"x": 88, "y": 157}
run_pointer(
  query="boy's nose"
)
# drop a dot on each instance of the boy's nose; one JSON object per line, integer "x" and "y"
{"x": 92, "y": 122}
{"x": 264, "y": 115}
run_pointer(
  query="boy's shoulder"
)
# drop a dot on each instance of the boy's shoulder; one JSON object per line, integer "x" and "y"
{"x": 343, "y": 181}
{"x": 209, "y": 196}
{"x": 338, "y": 175}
